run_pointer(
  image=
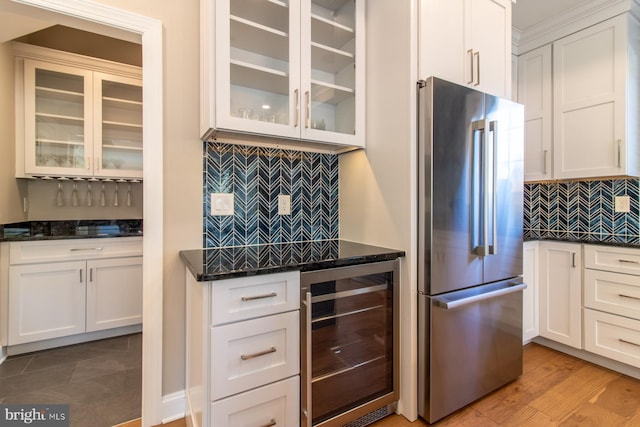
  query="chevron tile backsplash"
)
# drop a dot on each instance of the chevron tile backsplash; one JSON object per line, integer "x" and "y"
{"x": 256, "y": 176}
{"x": 582, "y": 210}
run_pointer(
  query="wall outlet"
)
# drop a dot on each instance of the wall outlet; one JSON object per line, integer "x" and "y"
{"x": 284, "y": 204}
{"x": 222, "y": 204}
{"x": 622, "y": 204}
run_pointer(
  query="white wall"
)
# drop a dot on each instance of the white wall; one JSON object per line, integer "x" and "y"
{"x": 11, "y": 191}
{"x": 182, "y": 165}
{"x": 377, "y": 186}
{"x": 182, "y": 180}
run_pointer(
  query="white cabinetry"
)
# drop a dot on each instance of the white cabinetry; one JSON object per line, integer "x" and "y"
{"x": 560, "y": 284}
{"x": 76, "y": 116}
{"x": 612, "y": 303}
{"x": 467, "y": 42}
{"x": 596, "y": 93}
{"x": 243, "y": 359}
{"x": 530, "y": 298}
{"x": 61, "y": 288}
{"x": 284, "y": 69}
{"x": 535, "y": 92}
{"x": 114, "y": 293}
{"x": 46, "y": 301}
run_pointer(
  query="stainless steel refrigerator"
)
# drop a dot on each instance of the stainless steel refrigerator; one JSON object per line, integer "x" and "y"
{"x": 470, "y": 155}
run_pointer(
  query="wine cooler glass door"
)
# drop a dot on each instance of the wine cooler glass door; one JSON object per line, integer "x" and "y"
{"x": 351, "y": 334}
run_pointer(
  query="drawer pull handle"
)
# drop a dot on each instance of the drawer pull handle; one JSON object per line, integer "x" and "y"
{"x": 85, "y": 249}
{"x": 271, "y": 295}
{"x": 628, "y": 296}
{"x": 270, "y": 423}
{"x": 628, "y": 342}
{"x": 260, "y": 353}
{"x": 628, "y": 261}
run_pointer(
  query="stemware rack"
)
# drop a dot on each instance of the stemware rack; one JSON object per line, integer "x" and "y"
{"x": 94, "y": 196}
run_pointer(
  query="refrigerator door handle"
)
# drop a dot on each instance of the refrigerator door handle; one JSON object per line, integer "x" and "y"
{"x": 448, "y": 305}
{"x": 493, "y": 128}
{"x": 482, "y": 247}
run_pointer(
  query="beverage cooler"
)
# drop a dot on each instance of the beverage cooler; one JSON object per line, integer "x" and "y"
{"x": 349, "y": 344}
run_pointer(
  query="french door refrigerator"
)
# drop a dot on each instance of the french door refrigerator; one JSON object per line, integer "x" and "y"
{"x": 470, "y": 171}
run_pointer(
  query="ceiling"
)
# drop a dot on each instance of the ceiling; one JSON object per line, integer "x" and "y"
{"x": 17, "y": 25}
{"x": 527, "y": 13}
{"x": 19, "y": 19}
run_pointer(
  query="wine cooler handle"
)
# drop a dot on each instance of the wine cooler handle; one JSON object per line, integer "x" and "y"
{"x": 306, "y": 401}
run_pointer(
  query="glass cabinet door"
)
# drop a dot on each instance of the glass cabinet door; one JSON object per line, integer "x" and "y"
{"x": 329, "y": 72}
{"x": 257, "y": 88}
{"x": 58, "y": 118}
{"x": 118, "y": 135}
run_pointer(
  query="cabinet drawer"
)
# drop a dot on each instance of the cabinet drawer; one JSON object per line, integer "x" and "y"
{"x": 612, "y": 292}
{"x": 611, "y": 336}
{"x": 275, "y": 404}
{"x": 619, "y": 260}
{"x": 73, "y": 249}
{"x": 249, "y": 297}
{"x": 252, "y": 353}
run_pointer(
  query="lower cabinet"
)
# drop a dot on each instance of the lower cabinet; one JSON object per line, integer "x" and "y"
{"x": 530, "y": 296}
{"x": 114, "y": 293}
{"x": 85, "y": 286}
{"x": 242, "y": 356}
{"x": 612, "y": 336}
{"x": 560, "y": 281}
{"x": 275, "y": 404}
{"x": 46, "y": 301}
{"x": 612, "y": 303}
{"x": 589, "y": 298}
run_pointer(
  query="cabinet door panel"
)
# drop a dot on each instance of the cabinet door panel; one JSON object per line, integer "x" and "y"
{"x": 615, "y": 337}
{"x": 118, "y": 135}
{"x": 46, "y": 301}
{"x": 589, "y": 75}
{"x": 250, "y": 297}
{"x": 561, "y": 293}
{"x": 58, "y": 120}
{"x": 535, "y": 92}
{"x": 332, "y": 71}
{"x": 276, "y": 404}
{"x": 253, "y": 353}
{"x": 488, "y": 34}
{"x": 114, "y": 293}
{"x": 530, "y": 305}
{"x": 612, "y": 292}
{"x": 442, "y": 20}
{"x": 257, "y": 67}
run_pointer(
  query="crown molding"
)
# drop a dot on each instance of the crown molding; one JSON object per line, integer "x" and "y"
{"x": 590, "y": 13}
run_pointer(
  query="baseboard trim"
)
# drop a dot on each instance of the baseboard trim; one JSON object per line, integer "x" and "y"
{"x": 29, "y": 347}
{"x": 596, "y": 359}
{"x": 173, "y": 406}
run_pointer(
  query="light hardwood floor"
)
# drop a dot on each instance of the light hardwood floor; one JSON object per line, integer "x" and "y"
{"x": 555, "y": 390}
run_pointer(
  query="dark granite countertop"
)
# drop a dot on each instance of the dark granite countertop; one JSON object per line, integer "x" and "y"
{"x": 225, "y": 263}
{"x": 78, "y": 229}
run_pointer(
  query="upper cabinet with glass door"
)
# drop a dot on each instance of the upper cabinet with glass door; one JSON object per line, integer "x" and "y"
{"x": 289, "y": 69}
{"x": 118, "y": 139}
{"x": 73, "y": 120}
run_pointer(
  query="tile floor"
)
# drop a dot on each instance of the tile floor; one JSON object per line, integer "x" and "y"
{"x": 100, "y": 380}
